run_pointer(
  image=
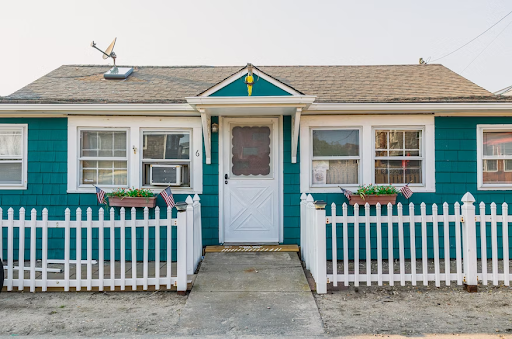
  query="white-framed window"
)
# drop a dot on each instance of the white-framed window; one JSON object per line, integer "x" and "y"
{"x": 166, "y": 153}
{"x": 336, "y": 156}
{"x": 113, "y": 152}
{"x": 13, "y": 156}
{"x": 398, "y": 156}
{"x": 494, "y": 156}
{"x": 395, "y": 149}
{"x": 103, "y": 157}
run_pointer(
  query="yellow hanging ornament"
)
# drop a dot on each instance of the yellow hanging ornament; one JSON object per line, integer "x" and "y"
{"x": 249, "y": 79}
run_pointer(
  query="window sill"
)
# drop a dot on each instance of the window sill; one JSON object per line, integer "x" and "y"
{"x": 494, "y": 188}
{"x": 20, "y": 187}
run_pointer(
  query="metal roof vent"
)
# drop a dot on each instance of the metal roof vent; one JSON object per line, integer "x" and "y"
{"x": 118, "y": 73}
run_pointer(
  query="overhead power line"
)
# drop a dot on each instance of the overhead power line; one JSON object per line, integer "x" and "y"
{"x": 470, "y": 41}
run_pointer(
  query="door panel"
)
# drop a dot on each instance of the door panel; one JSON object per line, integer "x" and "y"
{"x": 251, "y": 194}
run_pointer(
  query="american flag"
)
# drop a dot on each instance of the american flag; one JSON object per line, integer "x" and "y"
{"x": 347, "y": 193}
{"x": 167, "y": 195}
{"x": 101, "y": 195}
{"x": 406, "y": 191}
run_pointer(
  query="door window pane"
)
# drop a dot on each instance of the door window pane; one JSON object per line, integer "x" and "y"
{"x": 250, "y": 150}
{"x": 335, "y": 143}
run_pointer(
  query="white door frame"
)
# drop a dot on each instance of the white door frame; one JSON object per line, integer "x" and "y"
{"x": 279, "y": 170}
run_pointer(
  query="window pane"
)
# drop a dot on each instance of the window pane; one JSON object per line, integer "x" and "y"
{"x": 335, "y": 172}
{"x": 104, "y": 173}
{"x": 10, "y": 143}
{"x": 381, "y": 140}
{"x": 10, "y": 173}
{"x": 335, "y": 143}
{"x": 497, "y": 143}
{"x": 412, "y": 140}
{"x": 490, "y": 165}
{"x": 251, "y": 150}
{"x": 103, "y": 144}
{"x": 497, "y": 171}
{"x": 166, "y": 145}
{"x": 396, "y": 140}
{"x": 398, "y": 171}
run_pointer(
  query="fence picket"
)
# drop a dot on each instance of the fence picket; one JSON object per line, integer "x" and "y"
{"x": 89, "y": 249}
{"x": 67, "y": 243}
{"x": 21, "y": 255}
{"x": 157, "y": 248}
{"x": 435, "y": 234}
{"x": 334, "y": 246}
{"x": 101, "y": 248}
{"x": 412, "y": 226}
{"x": 134, "y": 249}
{"x": 424, "y": 250}
{"x": 145, "y": 273}
{"x": 401, "y": 250}
{"x": 44, "y": 254}
{"x": 483, "y": 243}
{"x": 379, "y": 245}
{"x": 506, "y": 258}
{"x": 368, "y": 244}
{"x": 33, "y": 248}
{"x": 458, "y": 245}
{"x": 169, "y": 247}
{"x": 390, "y": 246}
{"x": 446, "y": 230}
{"x": 356, "y": 244}
{"x": 345, "y": 243}
{"x": 112, "y": 261}
{"x": 1, "y": 235}
{"x": 10, "y": 248}
{"x": 122, "y": 217}
{"x": 494, "y": 244}
{"x": 78, "y": 265}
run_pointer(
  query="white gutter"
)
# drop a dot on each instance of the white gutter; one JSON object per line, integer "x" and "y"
{"x": 362, "y": 108}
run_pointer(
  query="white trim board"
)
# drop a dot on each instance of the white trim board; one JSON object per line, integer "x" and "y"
{"x": 135, "y": 125}
{"x": 366, "y": 124}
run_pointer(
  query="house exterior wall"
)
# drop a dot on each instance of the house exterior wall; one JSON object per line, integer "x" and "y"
{"x": 455, "y": 165}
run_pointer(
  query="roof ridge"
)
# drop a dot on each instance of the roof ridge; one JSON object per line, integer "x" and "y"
{"x": 243, "y": 66}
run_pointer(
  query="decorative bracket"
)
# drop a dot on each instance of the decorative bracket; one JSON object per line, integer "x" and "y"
{"x": 295, "y": 133}
{"x": 207, "y": 134}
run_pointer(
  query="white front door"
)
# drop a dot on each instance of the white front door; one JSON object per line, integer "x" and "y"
{"x": 250, "y": 182}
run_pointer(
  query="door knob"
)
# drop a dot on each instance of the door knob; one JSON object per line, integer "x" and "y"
{"x": 226, "y": 176}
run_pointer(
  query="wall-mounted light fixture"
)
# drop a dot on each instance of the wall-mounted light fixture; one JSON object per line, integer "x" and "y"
{"x": 215, "y": 128}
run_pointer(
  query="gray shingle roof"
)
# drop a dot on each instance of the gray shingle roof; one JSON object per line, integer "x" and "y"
{"x": 331, "y": 84}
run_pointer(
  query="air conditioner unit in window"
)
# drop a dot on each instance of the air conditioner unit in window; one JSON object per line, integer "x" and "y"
{"x": 164, "y": 175}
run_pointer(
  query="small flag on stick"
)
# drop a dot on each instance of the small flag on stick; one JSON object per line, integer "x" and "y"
{"x": 101, "y": 195}
{"x": 406, "y": 191}
{"x": 167, "y": 195}
{"x": 347, "y": 193}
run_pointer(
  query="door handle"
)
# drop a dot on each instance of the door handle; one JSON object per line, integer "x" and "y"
{"x": 226, "y": 179}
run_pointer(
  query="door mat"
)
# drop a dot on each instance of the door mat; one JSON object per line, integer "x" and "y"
{"x": 252, "y": 248}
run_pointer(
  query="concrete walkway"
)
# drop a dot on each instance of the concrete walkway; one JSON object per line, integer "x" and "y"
{"x": 251, "y": 293}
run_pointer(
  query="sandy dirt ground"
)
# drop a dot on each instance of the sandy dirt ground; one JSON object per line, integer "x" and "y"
{"x": 89, "y": 314}
{"x": 417, "y": 311}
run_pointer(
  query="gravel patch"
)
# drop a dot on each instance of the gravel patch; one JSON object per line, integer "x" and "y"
{"x": 89, "y": 314}
{"x": 416, "y": 311}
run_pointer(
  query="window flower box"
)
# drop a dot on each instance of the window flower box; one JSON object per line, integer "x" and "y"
{"x": 149, "y": 202}
{"x": 373, "y": 199}
{"x": 132, "y": 197}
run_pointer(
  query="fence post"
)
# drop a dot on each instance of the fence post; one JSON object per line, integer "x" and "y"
{"x": 181, "y": 264}
{"x": 198, "y": 237}
{"x": 321, "y": 248}
{"x": 303, "y": 203}
{"x": 469, "y": 243}
{"x": 190, "y": 235}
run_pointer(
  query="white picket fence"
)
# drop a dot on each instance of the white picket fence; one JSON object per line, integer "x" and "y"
{"x": 468, "y": 268}
{"x": 189, "y": 250}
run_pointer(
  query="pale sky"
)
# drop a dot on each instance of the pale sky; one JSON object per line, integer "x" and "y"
{"x": 38, "y": 36}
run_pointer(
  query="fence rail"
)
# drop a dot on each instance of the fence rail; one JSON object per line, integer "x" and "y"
{"x": 440, "y": 229}
{"x": 112, "y": 274}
